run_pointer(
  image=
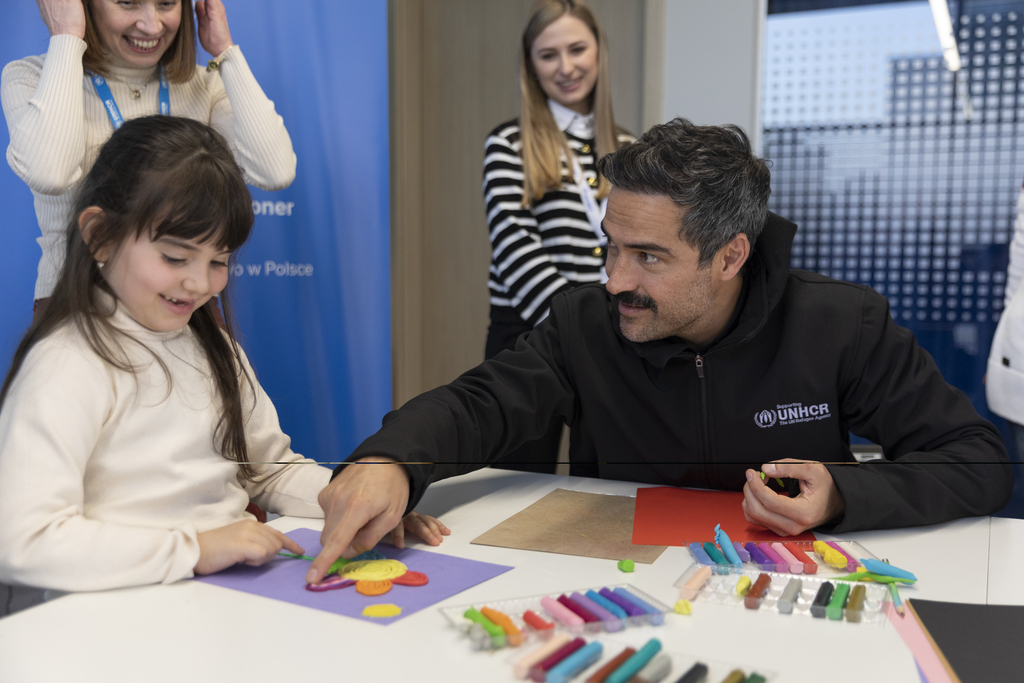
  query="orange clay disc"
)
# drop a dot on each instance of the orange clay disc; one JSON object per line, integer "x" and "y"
{"x": 373, "y": 587}
{"x": 410, "y": 578}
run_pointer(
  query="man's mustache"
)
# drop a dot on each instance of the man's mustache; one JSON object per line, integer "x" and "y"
{"x": 637, "y": 300}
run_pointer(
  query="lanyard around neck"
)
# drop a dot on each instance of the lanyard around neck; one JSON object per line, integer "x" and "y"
{"x": 103, "y": 90}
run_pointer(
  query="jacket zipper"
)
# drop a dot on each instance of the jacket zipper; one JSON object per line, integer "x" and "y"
{"x": 705, "y": 444}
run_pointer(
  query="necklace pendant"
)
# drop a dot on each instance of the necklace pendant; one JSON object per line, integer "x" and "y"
{"x": 136, "y": 94}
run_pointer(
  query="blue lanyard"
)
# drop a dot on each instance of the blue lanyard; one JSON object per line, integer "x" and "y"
{"x": 103, "y": 90}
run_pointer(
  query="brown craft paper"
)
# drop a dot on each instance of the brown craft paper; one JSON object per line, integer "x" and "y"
{"x": 574, "y": 523}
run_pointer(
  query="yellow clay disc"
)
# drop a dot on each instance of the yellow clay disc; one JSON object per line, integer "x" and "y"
{"x": 387, "y": 610}
{"x": 683, "y": 607}
{"x": 373, "y": 570}
{"x": 373, "y": 587}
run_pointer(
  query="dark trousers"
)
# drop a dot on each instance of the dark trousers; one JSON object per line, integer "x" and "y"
{"x": 534, "y": 456}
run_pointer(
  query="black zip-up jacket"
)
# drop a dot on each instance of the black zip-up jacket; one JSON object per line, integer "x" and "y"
{"x": 806, "y": 361}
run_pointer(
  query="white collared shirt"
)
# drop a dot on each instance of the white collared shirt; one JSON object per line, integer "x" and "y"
{"x": 572, "y": 122}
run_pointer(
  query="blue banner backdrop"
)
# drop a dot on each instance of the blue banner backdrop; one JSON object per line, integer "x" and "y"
{"x": 312, "y": 287}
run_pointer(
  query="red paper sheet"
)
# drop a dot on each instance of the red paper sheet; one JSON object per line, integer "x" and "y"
{"x": 669, "y": 516}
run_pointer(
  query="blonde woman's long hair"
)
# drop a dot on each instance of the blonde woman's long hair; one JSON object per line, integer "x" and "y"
{"x": 543, "y": 144}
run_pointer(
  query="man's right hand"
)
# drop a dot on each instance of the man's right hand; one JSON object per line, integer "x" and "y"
{"x": 362, "y": 504}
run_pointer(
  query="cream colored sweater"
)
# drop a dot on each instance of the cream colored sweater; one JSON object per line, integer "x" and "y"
{"x": 106, "y": 477}
{"x": 58, "y": 124}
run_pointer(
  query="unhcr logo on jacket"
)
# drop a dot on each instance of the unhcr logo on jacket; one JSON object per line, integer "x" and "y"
{"x": 791, "y": 413}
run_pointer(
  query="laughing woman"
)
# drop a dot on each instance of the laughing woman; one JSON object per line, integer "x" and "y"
{"x": 544, "y": 197}
{"x": 109, "y": 61}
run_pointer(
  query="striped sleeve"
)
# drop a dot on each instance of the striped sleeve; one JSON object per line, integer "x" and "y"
{"x": 523, "y": 274}
{"x": 43, "y": 105}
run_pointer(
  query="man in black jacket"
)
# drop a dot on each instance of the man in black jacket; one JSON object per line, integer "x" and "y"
{"x": 701, "y": 362}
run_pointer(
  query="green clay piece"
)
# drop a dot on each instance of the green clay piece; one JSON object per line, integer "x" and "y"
{"x": 764, "y": 477}
{"x": 626, "y": 565}
{"x": 835, "y": 608}
{"x": 496, "y": 632}
{"x": 336, "y": 567}
{"x": 879, "y": 578}
{"x": 755, "y": 678}
{"x": 296, "y": 557}
{"x": 715, "y": 554}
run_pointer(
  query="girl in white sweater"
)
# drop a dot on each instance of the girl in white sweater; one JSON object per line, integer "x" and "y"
{"x": 132, "y": 431}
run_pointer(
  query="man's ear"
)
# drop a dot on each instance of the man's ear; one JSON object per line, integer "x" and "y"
{"x": 88, "y": 221}
{"x": 730, "y": 259}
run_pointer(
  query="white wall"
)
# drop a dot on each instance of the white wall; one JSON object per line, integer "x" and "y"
{"x": 703, "y": 62}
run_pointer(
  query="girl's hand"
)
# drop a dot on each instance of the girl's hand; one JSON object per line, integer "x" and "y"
{"x": 212, "y": 23}
{"x": 63, "y": 17}
{"x": 247, "y": 541}
{"x": 426, "y": 528}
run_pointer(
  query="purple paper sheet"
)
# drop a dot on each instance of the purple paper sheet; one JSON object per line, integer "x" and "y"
{"x": 285, "y": 579}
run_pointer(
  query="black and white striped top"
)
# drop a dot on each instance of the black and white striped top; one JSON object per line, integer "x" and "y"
{"x": 540, "y": 251}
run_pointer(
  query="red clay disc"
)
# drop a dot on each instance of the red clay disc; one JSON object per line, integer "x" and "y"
{"x": 410, "y": 578}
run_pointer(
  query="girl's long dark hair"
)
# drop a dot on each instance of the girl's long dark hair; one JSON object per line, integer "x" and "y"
{"x": 171, "y": 177}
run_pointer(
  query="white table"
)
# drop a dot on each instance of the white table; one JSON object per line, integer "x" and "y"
{"x": 192, "y": 631}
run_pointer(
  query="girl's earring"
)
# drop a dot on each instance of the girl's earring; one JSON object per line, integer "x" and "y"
{"x": 100, "y": 264}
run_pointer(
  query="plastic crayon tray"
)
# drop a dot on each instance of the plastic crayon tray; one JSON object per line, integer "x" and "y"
{"x": 613, "y": 649}
{"x": 721, "y": 589}
{"x": 516, "y": 609}
{"x": 806, "y": 562}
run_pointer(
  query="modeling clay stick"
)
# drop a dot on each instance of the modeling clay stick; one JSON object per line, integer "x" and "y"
{"x": 561, "y": 613}
{"x": 789, "y": 596}
{"x": 631, "y": 609}
{"x": 523, "y": 666}
{"x": 856, "y": 604}
{"x": 741, "y": 551}
{"x": 757, "y": 592}
{"x": 537, "y": 622}
{"x": 735, "y": 676}
{"x": 608, "y": 620}
{"x": 725, "y": 543}
{"x": 851, "y": 564}
{"x": 885, "y": 569}
{"x": 743, "y": 586}
{"x": 636, "y": 662}
{"x": 584, "y": 614}
{"x": 611, "y": 665}
{"x": 692, "y": 587}
{"x": 780, "y": 564}
{"x": 609, "y": 605}
{"x": 655, "y": 670}
{"x": 821, "y": 600}
{"x": 698, "y": 673}
{"x": 574, "y": 664}
{"x": 835, "y": 608}
{"x": 539, "y": 671}
{"x": 515, "y": 636}
{"x": 832, "y": 557}
{"x": 496, "y": 632}
{"x": 716, "y": 555}
{"x": 296, "y": 557}
{"x": 656, "y": 615}
{"x": 699, "y": 554}
{"x": 759, "y": 558}
{"x": 794, "y": 565}
{"x": 810, "y": 566}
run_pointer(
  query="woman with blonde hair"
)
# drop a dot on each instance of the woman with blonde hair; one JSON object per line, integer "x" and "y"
{"x": 543, "y": 194}
{"x": 110, "y": 61}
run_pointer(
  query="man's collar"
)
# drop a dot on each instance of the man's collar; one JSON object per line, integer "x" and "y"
{"x": 572, "y": 122}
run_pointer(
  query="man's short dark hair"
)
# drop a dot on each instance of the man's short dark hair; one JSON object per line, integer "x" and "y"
{"x": 709, "y": 171}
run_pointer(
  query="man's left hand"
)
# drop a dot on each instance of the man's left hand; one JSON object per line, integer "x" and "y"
{"x": 819, "y": 500}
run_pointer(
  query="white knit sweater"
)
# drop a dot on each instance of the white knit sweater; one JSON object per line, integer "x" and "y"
{"x": 58, "y": 123}
{"x": 107, "y": 477}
